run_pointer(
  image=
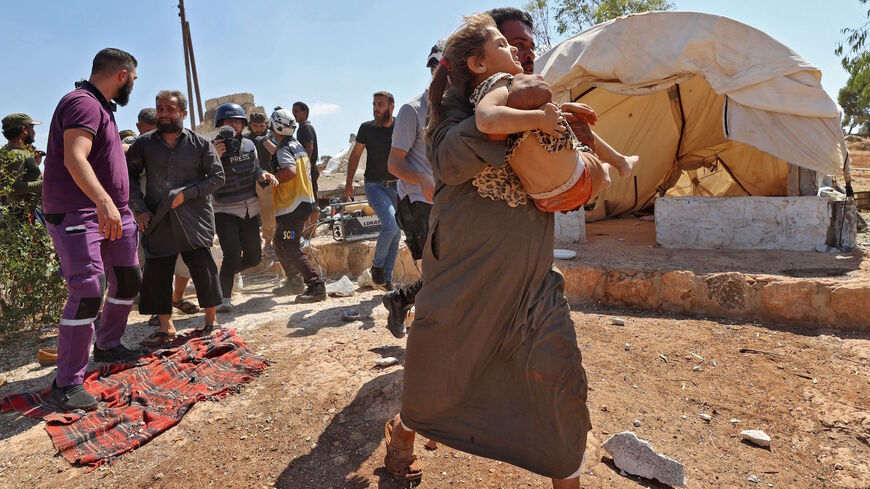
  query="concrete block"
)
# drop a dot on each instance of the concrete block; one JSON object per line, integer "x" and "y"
{"x": 570, "y": 227}
{"x": 742, "y": 223}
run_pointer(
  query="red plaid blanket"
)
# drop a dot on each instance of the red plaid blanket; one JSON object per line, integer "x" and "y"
{"x": 140, "y": 401}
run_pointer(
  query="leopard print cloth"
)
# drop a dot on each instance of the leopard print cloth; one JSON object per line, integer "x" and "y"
{"x": 503, "y": 183}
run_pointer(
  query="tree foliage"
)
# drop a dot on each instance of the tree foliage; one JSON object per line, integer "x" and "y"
{"x": 572, "y": 16}
{"x": 852, "y": 47}
{"x": 32, "y": 292}
{"x": 854, "y": 98}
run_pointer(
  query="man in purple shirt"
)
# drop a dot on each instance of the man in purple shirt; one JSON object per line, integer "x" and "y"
{"x": 85, "y": 192}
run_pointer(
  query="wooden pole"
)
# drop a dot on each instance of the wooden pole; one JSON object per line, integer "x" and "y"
{"x": 184, "y": 41}
{"x": 193, "y": 69}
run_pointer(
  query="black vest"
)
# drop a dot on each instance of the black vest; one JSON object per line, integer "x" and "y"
{"x": 241, "y": 175}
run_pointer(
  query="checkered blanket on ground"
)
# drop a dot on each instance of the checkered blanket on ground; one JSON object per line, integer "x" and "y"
{"x": 138, "y": 401}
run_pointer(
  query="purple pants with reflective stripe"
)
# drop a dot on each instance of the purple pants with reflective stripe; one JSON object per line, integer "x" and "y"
{"x": 87, "y": 259}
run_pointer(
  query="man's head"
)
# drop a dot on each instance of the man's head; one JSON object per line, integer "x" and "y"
{"x": 171, "y": 110}
{"x": 300, "y": 112}
{"x": 382, "y": 107}
{"x": 258, "y": 123}
{"x": 115, "y": 69}
{"x": 435, "y": 55}
{"x": 283, "y": 123}
{"x": 230, "y": 114}
{"x": 517, "y": 27}
{"x": 19, "y": 127}
{"x": 147, "y": 120}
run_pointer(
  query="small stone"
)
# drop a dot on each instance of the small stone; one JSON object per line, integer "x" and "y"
{"x": 339, "y": 460}
{"x": 696, "y": 368}
{"x": 838, "y": 466}
{"x": 386, "y": 362}
{"x": 734, "y": 421}
{"x": 753, "y": 479}
{"x": 618, "y": 321}
{"x": 637, "y": 423}
{"x": 706, "y": 417}
{"x": 757, "y": 437}
{"x": 684, "y": 416}
{"x": 628, "y": 347}
{"x": 603, "y": 409}
{"x": 159, "y": 475}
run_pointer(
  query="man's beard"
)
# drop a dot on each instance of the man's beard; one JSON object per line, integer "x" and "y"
{"x": 124, "y": 93}
{"x": 29, "y": 139}
{"x": 174, "y": 125}
{"x": 382, "y": 120}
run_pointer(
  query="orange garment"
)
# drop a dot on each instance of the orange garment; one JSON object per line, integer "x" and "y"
{"x": 569, "y": 200}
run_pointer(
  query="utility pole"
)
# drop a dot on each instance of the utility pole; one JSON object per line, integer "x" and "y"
{"x": 190, "y": 67}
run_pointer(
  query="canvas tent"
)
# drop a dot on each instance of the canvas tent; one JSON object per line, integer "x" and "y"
{"x": 712, "y": 107}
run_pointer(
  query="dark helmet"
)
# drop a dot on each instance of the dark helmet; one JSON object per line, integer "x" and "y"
{"x": 229, "y": 111}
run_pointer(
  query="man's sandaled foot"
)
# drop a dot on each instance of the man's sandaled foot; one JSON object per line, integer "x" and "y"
{"x": 185, "y": 306}
{"x": 158, "y": 338}
{"x": 401, "y": 463}
{"x": 208, "y": 328}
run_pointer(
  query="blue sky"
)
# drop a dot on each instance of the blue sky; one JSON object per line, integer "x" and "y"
{"x": 331, "y": 54}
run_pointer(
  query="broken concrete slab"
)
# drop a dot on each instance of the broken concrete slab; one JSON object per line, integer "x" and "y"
{"x": 637, "y": 457}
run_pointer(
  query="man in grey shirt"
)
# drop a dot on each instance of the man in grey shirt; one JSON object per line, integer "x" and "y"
{"x": 175, "y": 214}
{"x": 416, "y": 187}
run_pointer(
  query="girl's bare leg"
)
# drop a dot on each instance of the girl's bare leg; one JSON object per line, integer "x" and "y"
{"x": 607, "y": 154}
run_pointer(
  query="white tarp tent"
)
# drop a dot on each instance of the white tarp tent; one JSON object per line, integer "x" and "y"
{"x": 711, "y": 106}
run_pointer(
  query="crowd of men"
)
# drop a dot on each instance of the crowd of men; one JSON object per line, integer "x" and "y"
{"x": 121, "y": 208}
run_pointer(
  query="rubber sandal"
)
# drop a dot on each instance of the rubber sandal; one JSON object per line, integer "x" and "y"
{"x": 186, "y": 307}
{"x": 158, "y": 338}
{"x": 401, "y": 463}
{"x": 208, "y": 328}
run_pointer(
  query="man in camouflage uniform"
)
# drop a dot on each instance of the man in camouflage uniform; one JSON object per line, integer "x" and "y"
{"x": 20, "y": 178}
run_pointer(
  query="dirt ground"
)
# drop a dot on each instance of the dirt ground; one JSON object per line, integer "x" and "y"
{"x": 315, "y": 418}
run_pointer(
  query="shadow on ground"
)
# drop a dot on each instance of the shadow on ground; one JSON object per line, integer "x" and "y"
{"x": 307, "y": 324}
{"x": 354, "y": 434}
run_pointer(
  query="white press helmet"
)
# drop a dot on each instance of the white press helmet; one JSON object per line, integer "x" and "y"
{"x": 283, "y": 122}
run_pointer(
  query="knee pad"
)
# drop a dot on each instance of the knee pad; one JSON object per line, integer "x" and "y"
{"x": 129, "y": 281}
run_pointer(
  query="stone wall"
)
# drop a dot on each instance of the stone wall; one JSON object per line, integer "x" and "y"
{"x": 816, "y": 303}
{"x": 742, "y": 223}
{"x": 246, "y": 100}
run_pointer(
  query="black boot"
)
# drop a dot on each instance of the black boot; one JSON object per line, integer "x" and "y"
{"x": 378, "y": 275}
{"x": 72, "y": 397}
{"x": 117, "y": 354}
{"x": 314, "y": 292}
{"x": 397, "y": 311}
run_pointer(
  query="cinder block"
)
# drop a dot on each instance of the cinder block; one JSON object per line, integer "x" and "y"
{"x": 570, "y": 227}
{"x": 742, "y": 223}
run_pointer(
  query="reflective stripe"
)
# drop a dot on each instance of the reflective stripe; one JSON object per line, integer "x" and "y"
{"x": 76, "y": 322}
{"x": 122, "y": 302}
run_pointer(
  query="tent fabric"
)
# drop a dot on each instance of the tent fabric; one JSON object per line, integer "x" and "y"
{"x": 711, "y": 106}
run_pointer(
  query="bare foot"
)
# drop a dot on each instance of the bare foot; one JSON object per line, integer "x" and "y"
{"x": 625, "y": 165}
{"x": 606, "y": 168}
{"x": 430, "y": 445}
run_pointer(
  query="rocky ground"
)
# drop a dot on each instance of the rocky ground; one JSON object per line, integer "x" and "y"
{"x": 315, "y": 418}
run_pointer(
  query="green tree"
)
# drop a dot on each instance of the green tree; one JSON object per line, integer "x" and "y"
{"x": 854, "y": 98}
{"x": 853, "y": 45}
{"x": 572, "y": 16}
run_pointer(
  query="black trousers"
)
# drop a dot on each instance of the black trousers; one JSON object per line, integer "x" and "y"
{"x": 156, "y": 294}
{"x": 413, "y": 218}
{"x": 240, "y": 243}
{"x": 288, "y": 244}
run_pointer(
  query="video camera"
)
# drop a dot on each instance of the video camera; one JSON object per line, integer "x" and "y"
{"x": 227, "y": 135}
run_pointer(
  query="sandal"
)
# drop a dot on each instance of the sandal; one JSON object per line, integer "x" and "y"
{"x": 186, "y": 307}
{"x": 158, "y": 338}
{"x": 401, "y": 463}
{"x": 208, "y": 328}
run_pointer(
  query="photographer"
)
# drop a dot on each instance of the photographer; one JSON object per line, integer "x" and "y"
{"x": 236, "y": 207}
